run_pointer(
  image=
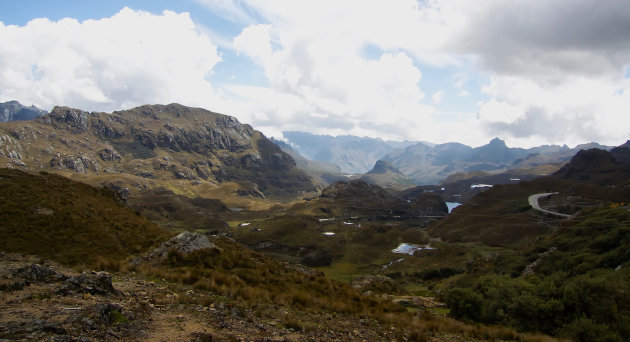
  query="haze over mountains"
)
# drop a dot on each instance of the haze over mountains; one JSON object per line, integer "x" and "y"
{"x": 352, "y": 154}
{"x": 425, "y": 163}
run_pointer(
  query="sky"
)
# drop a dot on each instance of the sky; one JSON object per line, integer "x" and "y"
{"x": 530, "y": 72}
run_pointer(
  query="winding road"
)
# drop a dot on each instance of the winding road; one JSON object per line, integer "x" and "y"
{"x": 533, "y": 201}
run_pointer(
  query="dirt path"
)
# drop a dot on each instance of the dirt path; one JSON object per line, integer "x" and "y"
{"x": 533, "y": 201}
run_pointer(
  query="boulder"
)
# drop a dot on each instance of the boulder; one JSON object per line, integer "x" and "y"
{"x": 183, "y": 243}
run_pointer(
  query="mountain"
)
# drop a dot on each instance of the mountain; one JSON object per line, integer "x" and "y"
{"x": 599, "y": 167}
{"x": 387, "y": 176}
{"x": 352, "y": 154}
{"x": 426, "y": 164}
{"x": 14, "y": 111}
{"x": 323, "y": 173}
{"x": 182, "y": 149}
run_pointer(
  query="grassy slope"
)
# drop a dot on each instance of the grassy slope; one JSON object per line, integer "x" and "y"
{"x": 578, "y": 287}
{"x": 73, "y": 223}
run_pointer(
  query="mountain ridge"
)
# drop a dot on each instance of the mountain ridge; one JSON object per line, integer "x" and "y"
{"x": 152, "y": 146}
{"x": 15, "y": 111}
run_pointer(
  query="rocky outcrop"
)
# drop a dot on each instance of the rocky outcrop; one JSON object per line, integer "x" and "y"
{"x": 108, "y": 154}
{"x": 78, "y": 163}
{"x": 73, "y": 119}
{"x": 184, "y": 243}
{"x": 88, "y": 282}
{"x": 12, "y": 150}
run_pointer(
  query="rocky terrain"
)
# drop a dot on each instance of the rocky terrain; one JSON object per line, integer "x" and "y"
{"x": 175, "y": 147}
{"x": 42, "y": 300}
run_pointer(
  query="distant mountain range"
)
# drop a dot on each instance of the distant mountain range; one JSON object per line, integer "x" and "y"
{"x": 352, "y": 154}
{"x": 14, "y": 111}
{"x": 426, "y": 163}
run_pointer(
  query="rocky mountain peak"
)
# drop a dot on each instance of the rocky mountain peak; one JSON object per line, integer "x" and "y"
{"x": 383, "y": 167}
{"x": 155, "y": 143}
{"x": 15, "y": 111}
{"x": 496, "y": 142}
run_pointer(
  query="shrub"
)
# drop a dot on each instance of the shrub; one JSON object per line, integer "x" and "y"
{"x": 464, "y": 303}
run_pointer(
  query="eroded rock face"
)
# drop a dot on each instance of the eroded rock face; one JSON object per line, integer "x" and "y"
{"x": 183, "y": 243}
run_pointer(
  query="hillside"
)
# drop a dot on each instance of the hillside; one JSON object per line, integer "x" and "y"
{"x": 570, "y": 283}
{"x": 70, "y": 222}
{"x": 561, "y": 276}
{"x": 186, "y": 150}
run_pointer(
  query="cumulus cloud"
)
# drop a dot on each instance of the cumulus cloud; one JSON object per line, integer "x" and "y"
{"x": 130, "y": 59}
{"x": 564, "y": 59}
{"x": 329, "y": 76}
{"x": 547, "y": 71}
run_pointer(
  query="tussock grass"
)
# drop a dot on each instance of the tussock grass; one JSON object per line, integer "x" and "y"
{"x": 71, "y": 222}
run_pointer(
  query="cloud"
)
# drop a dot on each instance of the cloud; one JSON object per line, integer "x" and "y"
{"x": 463, "y": 92}
{"x": 546, "y": 40}
{"x": 438, "y": 96}
{"x": 538, "y": 71}
{"x": 130, "y": 59}
{"x": 330, "y": 77}
{"x": 564, "y": 58}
